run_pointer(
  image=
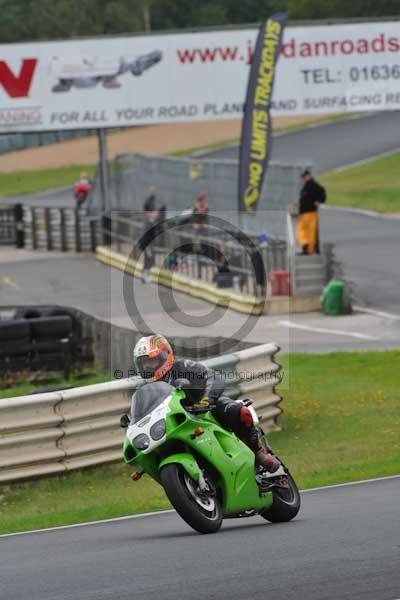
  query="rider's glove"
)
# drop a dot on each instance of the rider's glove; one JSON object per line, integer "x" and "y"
{"x": 246, "y": 417}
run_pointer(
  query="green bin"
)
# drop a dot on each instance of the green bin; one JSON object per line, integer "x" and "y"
{"x": 332, "y": 298}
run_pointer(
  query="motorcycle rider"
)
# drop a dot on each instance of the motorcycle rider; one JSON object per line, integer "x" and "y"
{"x": 154, "y": 361}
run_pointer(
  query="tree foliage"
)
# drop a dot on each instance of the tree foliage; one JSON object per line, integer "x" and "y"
{"x": 23, "y": 20}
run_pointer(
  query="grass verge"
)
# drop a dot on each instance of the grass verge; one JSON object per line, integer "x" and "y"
{"x": 18, "y": 183}
{"x": 372, "y": 186}
{"x": 341, "y": 423}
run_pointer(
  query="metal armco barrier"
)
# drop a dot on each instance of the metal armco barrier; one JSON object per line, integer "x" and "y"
{"x": 58, "y": 432}
{"x": 63, "y": 229}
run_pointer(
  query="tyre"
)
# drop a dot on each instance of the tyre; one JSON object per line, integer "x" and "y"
{"x": 31, "y": 314}
{"x": 31, "y": 311}
{"x": 19, "y": 347}
{"x": 51, "y": 327}
{"x": 62, "y": 312}
{"x": 49, "y": 346}
{"x": 202, "y": 512}
{"x": 13, "y": 329}
{"x": 285, "y": 505}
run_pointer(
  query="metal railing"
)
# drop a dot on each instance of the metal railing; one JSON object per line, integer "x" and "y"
{"x": 197, "y": 254}
{"x": 291, "y": 252}
{"x": 55, "y": 432}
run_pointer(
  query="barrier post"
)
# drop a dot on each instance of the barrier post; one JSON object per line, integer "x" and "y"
{"x": 101, "y": 136}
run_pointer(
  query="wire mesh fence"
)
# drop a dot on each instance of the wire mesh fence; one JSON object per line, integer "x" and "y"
{"x": 215, "y": 255}
{"x": 179, "y": 180}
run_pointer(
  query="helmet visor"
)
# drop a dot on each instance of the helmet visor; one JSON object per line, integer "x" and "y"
{"x": 148, "y": 365}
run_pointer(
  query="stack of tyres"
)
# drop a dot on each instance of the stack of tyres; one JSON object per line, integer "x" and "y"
{"x": 51, "y": 343}
{"x": 80, "y": 345}
{"x": 32, "y": 342}
{"x": 15, "y": 345}
{"x": 332, "y": 298}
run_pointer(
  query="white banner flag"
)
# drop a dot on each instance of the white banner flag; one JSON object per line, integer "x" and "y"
{"x": 123, "y": 81}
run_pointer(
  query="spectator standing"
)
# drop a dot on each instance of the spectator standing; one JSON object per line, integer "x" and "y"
{"x": 149, "y": 233}
{"x": 259, "y": 261}
{"x": 150, "y": 202}
{"x": 82, "y": 188}
{"x": 311, "y": 196}
{"x": 200, "y": 212}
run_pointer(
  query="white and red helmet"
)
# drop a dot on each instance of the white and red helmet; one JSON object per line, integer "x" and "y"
{"x": 153, "y": 357}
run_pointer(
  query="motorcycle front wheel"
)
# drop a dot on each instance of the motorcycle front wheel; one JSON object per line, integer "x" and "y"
{"x": 201, "y": 510}
{"x": 285, "y": 505}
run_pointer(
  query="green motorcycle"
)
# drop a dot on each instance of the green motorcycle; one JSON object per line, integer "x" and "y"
{"x": 207, "y": 472}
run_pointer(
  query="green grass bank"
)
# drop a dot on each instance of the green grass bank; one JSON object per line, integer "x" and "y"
{"x": 341, "y": 422}
{"x": 372, "y": 186}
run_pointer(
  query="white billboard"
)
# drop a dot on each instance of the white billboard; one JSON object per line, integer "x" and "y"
{"x": 123, "y": 81}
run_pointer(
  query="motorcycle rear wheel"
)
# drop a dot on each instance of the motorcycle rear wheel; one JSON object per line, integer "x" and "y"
{"x": 285, "y": 505}
{"x": 203, "y": 513}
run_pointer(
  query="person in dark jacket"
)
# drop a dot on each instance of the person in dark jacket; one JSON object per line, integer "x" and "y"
{"x": 150, "y": 202}
{"x": 311, "y": 196}
{"x": 154, "y": 361}
{"x": 150, "y": 230}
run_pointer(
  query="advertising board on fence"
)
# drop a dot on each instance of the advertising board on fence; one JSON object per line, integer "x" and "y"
{"x": 136, "y": 80}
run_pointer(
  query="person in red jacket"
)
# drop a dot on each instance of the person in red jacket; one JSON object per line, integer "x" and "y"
{"x": 82, "y": 188}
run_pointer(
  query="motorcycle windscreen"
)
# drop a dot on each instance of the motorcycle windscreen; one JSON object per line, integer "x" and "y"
{"x": 147, "y": 398}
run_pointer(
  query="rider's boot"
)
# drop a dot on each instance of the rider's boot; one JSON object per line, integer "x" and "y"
{"x": 263, "y": 458}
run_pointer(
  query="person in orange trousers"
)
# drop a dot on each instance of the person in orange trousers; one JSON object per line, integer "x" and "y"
{"x": 311, "y": 196}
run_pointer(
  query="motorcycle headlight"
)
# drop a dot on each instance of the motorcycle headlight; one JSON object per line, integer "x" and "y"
{"x": 141, "y": 442}
{"x": 157, "y": 431}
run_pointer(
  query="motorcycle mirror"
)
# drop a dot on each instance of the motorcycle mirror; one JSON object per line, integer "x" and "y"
{"x": 124, "y": 421}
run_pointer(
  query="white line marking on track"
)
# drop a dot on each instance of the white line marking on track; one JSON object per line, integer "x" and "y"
{"x": 112, "y": 520}
{"x": 164, "y": 512}
{"x": 338, "y": 485}
{"x": 377, "y": 313}
{"x": 361, "y": 336}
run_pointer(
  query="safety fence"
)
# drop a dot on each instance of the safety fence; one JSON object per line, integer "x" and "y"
{"x": 21, "y": 141}
{"x": 52, "y": 433}
{"x": 179, "y": 180}
{"x": 214, "y": 254}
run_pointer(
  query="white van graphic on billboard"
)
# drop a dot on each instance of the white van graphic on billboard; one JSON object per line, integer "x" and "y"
{"x": 87, "y": 72}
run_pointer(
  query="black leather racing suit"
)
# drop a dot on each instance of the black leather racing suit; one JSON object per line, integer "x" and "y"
{"x": 206, "y": 392}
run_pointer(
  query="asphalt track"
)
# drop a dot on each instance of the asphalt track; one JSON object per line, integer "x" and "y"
{"x": 332, "y": 145}
{"x": 345, "y": 543}
{"x": 369, "y": 249}
{"x": 368, "y": 246}
{"x": 57, "y": 278}
{"x": 327, "y": 146}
